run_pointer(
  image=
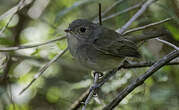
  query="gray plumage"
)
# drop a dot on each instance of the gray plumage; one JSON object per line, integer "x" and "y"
{"x": 97, "y": 47}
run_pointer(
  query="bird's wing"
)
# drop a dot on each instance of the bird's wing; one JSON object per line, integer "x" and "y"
{"x": 115, "y": 45}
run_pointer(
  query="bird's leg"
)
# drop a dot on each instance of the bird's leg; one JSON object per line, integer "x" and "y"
{"x": 100, "y": 74}
{"x": 97, "y": 76}
{"x": 92, "y": 90}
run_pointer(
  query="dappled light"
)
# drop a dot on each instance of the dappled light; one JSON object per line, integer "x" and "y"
{"x": 44, "y": 67}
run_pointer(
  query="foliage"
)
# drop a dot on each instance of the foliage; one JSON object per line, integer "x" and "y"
{"x": 66, "y": 80}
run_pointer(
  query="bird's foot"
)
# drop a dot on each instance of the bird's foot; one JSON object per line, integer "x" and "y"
{"x": 100, "y": 74}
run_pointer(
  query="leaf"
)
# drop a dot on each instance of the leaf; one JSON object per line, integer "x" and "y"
{"x": 174, "y": 31}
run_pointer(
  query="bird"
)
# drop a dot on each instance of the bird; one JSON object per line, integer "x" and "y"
{"x": 97, "y": 47}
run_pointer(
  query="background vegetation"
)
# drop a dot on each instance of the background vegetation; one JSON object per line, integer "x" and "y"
{"x": 66, "y": 80}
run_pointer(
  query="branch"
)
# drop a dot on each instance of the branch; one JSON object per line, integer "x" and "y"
{"x": 78, "y": 102}
{"x": 92, "y": 90}
{"x": 129, "y": 65}
{"x": 147, "y": 26}
{"x": 22, "y": 57}
{"x": 112, "y": 6}
{"x": 43, "y": 69}
{"x": 100, "y": 17}
{"x": 132, "y": 65}
{"x": 122, "y": 12}
{"x": 12, "y": 11}
{"x": 18, "y": 29}
{"x": 7, "y": 49}
{"x": 15, "y": 8}
{"x": 140, "y": 80}
{"x": 109, "y": 9}
{"x": 141, "y": 11}
{"x": 148, "y": 35}
{"x": 168, "y": 43}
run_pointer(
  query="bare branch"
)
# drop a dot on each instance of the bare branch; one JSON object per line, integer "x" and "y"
{"x": 78, "y": 103}
{"x": 7, "y": 49}
{"x": 123, "y": 11}
{"x": 22, "y": 57}
{"x": 148, "y": 35}
{"x": 140, "y": 80}
{"x": 13, "y": 11}
{"x": 100, "y": 17}
{"x": 4, "y": 27}
{"x": 92, "y": 90}
{"x": 43, "y": 69}
{"x": 129, "y": 65}
{"x": 147, "y": 26}
{"x": 132, "y": 65}
{"x": 141, "y": 11}
{"x": 168, "y": 43}
{"x": 109, "y": 9}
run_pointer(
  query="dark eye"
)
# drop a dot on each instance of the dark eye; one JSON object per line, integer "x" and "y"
{"x": 82, "y": 29}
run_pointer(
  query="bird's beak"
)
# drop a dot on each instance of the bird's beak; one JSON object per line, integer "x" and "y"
{"x": 68, "y": 30}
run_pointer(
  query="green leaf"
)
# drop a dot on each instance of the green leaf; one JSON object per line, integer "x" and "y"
{"x": 174, "y": 31}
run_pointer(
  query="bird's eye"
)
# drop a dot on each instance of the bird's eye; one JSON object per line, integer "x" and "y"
{"x": 82, "y": 29}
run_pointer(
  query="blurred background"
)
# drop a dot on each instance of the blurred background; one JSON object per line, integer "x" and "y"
{"x": 66, "y": 80}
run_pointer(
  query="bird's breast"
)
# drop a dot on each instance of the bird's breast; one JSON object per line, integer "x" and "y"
{"x": 90, "y": 57}
{"x": 73, "y": 44}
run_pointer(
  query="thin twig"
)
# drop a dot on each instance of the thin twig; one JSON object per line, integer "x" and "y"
{"x": 147, "y": 26}
{"x": 4, "y": 27}
{"x": 130, "y": 65}
{"x": 7, "y": 49}
{"x": 112, "y": 6}
{"x": 22, "y": 57}
{"x": 109, "y": 9}
{"x": 43, "y": 69}
{"x": 92, "y": 90}
{"x": 15, "y": 9}
{"x": 123, "y": 11}
{"x": 19, "y": 5}
{"x": 78, "y": 102}
{"x": 140, "y": 80}
{"x": 108, "y": 75}
{"x": 100, "y": 17}
{"x": 168, "y": 43}
{"x": 147, "y": 35}
{"x": 139, "y": 13}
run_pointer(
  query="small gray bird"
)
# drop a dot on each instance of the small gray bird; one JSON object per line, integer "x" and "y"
{"x": 96, "y": 47}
